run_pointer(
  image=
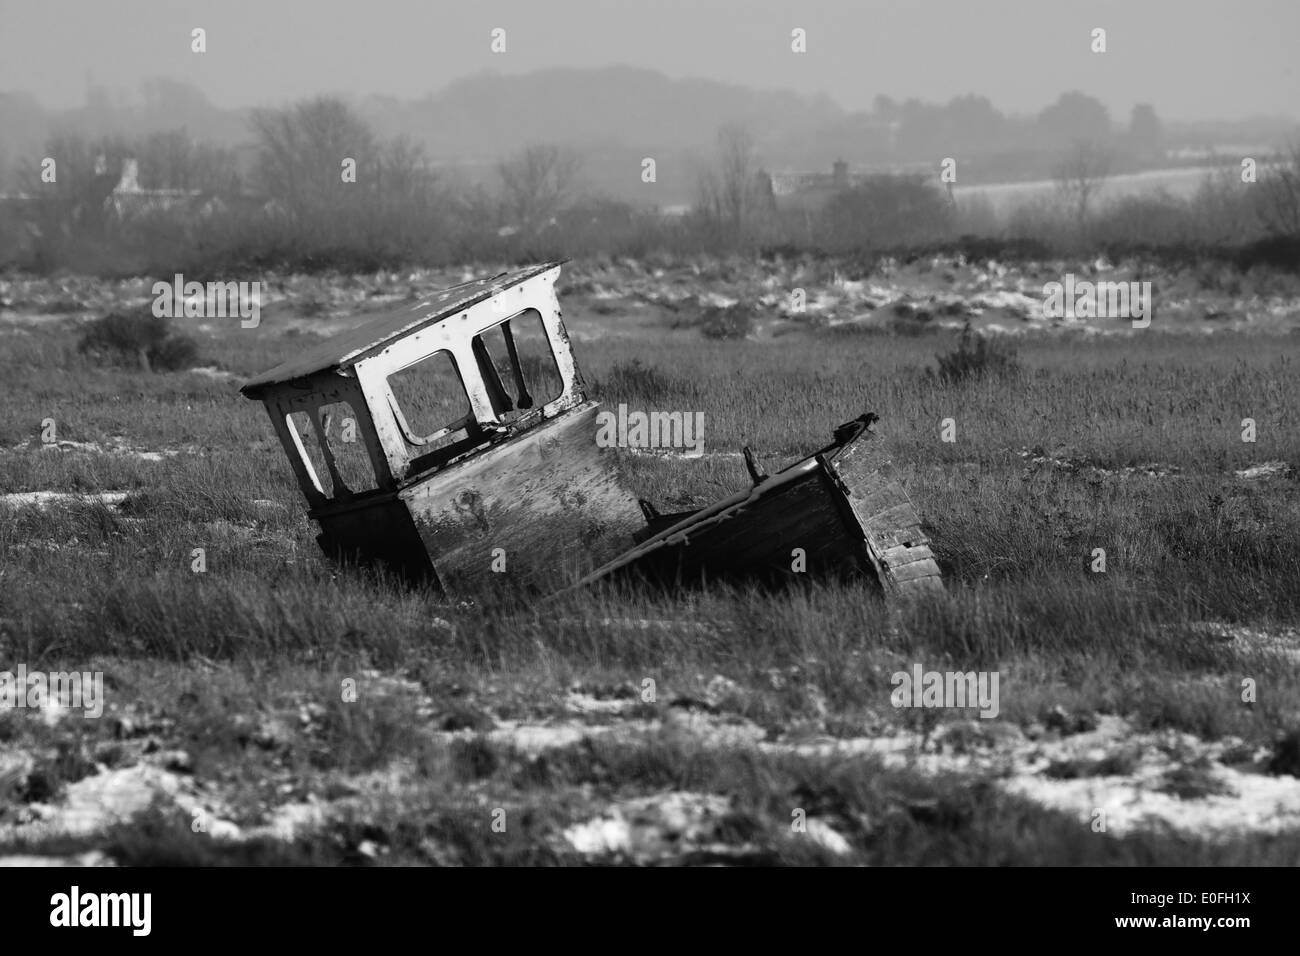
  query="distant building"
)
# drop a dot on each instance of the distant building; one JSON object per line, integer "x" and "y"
{"x": 128, "y": 200}
{"x": 808, "y": 191}
{"x": 109, "y": 200}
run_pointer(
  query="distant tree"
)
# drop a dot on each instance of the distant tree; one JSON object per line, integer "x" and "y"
{"x": 885, "y": 211}
{"x": 921, "y": 129}
{"x": 1080, "y": 175}
{"x": 301, "y": 149}
{"x": 972, "y": 122}
{"x": 1074, "y": 117}
{"x": 403, "y": 172}
{"x": 885, "y": 108}
{"x": 87, "y": 171}
{"x": 536, "y": 184}
{"x": 175, "y": 160}
{"x": 1145, "y": 131}
{"x": 730, "y": 193}
{"x": 1279, "y": 195}
{"x": 965, "y": 123}
{"x": 171, "y": 100}
{"x": 738, "y": 167}
{"x": 409, "y": 203}
{"x": 765, "y": 193}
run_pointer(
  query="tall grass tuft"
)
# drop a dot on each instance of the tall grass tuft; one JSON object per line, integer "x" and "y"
{"x": 976, "y": 356}
{"x": 138, "y": 339}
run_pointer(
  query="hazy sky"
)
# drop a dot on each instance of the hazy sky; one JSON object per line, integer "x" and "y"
{"x": 1192, "y": 59}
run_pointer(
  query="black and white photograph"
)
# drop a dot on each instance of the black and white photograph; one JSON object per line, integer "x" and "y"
{"x": 712, "y": 434}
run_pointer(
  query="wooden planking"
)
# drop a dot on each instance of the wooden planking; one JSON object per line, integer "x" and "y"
{"x": 917, "y": 569}
{"x": 873, "y": 491}
{"x": 811, "y": 512}
{"x": 756, "y": 535}
{"x": 896, "y": 525}
{"x": 550, "y": 499}
{"x": 842, "y": 506}
{"x": 741, "y": 538}
{"x": 783, "y": 520}
{"x": 898, "y": 546}
{"x": 902, "y": 555}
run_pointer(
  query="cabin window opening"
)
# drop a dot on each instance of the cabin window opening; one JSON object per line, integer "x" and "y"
{"x": 518, "y": 366}
{"x": 314, "y": 456}
{"x": 430, "y": 402}
{"x": 347, "y": 444}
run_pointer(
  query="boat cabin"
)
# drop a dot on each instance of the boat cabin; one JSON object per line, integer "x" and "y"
{"x": 445, "y": 439}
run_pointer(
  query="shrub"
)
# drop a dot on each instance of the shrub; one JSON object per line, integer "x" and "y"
{"x": 1159, "y": 219}
{"x": 138, "y": 338}
{"x": 1278, "y": 196}
{"x": 732, "y": 322}
{"x": 174, "y": 353}
{"x": 886, "y": 211}
{"x": 975, "y": 357}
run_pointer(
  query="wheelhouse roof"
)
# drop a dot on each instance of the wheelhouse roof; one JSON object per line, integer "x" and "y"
{"x": 349, "y": 347}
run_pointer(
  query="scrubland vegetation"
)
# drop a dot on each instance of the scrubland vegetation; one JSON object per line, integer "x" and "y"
{"x": 228, "y": 679}
{"x": 297, "y": 209}
{"x": 1112, "y": 547}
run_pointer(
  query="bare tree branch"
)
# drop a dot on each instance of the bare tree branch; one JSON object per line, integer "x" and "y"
{"x": 1081, "y": 174}
{"x": 536, "y": 184}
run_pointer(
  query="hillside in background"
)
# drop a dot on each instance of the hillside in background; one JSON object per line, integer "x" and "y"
{"x": 616, "y": 116}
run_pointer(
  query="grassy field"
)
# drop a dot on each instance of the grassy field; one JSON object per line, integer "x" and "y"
{"x": 507, "y": 733}
{"x": 1176, "y": 182}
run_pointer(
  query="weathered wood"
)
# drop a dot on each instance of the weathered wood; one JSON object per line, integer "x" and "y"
{"x": 895, "y": 525}
{"x": 549, "y": 499}
{"x": 865, "y": 521}
{"x": 898, "y": 547}
{"x": 379, "y": 533}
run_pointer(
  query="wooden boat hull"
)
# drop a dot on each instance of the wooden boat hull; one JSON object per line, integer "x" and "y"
{"x": 505, "y": 493}
{"x": 547, "y": 507}
{"x": 536, "y": 513}
{"x": 839, "y": 511}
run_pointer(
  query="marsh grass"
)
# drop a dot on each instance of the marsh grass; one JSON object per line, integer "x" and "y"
{"x": 83, "y": 581}
{"x": 139, "y": 339}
